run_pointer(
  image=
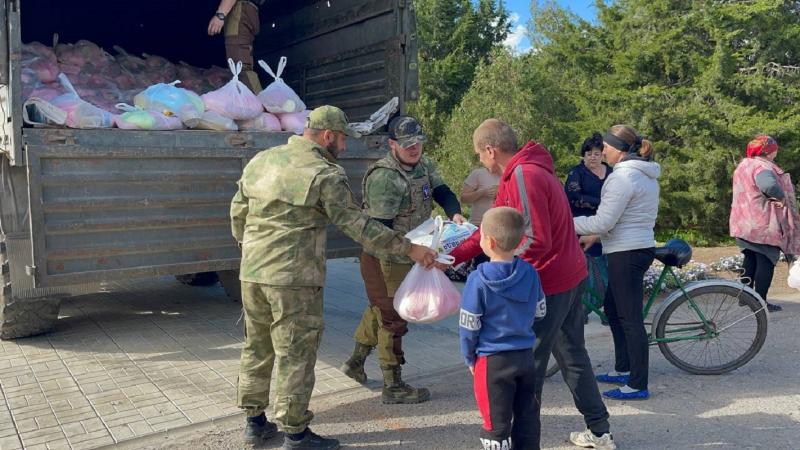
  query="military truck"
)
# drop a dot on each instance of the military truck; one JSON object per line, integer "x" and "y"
{"x": 83, "y": 207}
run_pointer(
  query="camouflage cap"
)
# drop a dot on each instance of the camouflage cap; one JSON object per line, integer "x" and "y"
{"x": 406, "y": 131}
{"x": 330, "y": 118}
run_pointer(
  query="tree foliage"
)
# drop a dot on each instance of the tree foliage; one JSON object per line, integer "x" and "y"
{"x": 698, "y": 78}
{"x": 454, "y": 37}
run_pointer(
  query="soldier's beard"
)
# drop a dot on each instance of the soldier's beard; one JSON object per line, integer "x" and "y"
{"x": 334, "y": 150}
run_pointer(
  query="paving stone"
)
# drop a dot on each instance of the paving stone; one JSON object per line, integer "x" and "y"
{"x": 42, "y": 436}
{"x": 10, "y": 443}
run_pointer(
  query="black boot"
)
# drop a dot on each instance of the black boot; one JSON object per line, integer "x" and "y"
{"x": 354, "y": 367}
{"x": 310, "y": 441}
{"x": 258, "y": 428}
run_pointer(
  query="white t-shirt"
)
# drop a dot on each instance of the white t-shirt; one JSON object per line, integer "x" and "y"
{"x": 481, "y": 179}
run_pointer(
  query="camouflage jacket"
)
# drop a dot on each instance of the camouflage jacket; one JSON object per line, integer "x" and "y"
{"x": 287, "y": 196}
{"x": 404, "y": 196}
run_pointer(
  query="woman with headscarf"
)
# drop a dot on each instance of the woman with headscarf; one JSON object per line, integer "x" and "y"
{"x": 625, "y": 223}
{"x": 764, "y": 217}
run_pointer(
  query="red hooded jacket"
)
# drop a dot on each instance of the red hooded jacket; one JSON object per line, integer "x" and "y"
{"x": 529, "y": 185}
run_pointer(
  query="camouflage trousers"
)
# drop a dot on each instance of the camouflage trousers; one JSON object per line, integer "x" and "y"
{"x": 380, "y": 325}
{"x": 241, "y": 28}
{"x": 283, "y": 329}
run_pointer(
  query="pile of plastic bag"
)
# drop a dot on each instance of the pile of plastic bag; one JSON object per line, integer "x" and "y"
{"x": 102, "y": 87}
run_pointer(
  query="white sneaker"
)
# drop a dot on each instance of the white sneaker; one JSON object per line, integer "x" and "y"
{"x": 587, "y": 439}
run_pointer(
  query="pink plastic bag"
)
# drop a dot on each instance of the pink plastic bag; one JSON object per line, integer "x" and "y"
{"x": 80, "y": 114}
{"x": 263, "y": 122}
{"x": 278, "y": 97}
{"x": 138, "y": 119}
{"x": 234, "y": 100}
{"x": 294, "y": 122}
{"x": 426, "y": 296}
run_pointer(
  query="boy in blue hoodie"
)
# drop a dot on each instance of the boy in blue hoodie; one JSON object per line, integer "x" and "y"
{"x": 500, "y": 302}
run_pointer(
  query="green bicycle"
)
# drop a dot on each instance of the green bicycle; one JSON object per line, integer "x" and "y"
{"x": 706, "y": 327}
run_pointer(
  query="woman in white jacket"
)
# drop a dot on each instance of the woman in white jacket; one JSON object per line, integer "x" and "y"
{"x": 624, "y": 223}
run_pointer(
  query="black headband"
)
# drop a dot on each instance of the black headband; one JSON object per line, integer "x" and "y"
{"x": 621, "y": 145}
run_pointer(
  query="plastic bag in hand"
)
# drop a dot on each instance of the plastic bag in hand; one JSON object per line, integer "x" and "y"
{"x": 294, "y": 122}
{"x": 794, "y": 275}
{"x": 213, "y": 120}
{"x": 449, "y": 235}
{"x": 80, "y": 114}
{"x": 234, "y": 100}
{"x": 426, "y": 296}
{"x": 263, "y": 122}
{"x": 138, "y": 119}
{"x": 278, "y": 97}
{"x": 171, "y": 100}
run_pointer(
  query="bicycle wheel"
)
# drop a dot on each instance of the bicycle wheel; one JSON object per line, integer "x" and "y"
{"x": 738, "y": 325}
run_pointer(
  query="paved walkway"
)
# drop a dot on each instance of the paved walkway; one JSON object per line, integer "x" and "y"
{"x": 153, "y": 355}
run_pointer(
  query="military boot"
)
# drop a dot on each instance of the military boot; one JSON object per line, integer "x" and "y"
{"x": 396, "y": 391}
{"x": 258, "y": 429}
{"x": 354, "y": 367}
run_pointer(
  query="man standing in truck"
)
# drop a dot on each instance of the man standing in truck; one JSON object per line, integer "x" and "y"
{"x": 399, "y": 191}
{"x": 279, "y": 217}
{"x": 240, "y": 21}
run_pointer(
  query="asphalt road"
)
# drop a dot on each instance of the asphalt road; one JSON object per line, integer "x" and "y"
{"x": 757, "y": 406}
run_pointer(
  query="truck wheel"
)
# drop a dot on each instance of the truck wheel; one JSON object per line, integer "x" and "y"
{"x": 230, "y": 282}
{"x": 198, "y": 279}
{"x": 23, "y": 317}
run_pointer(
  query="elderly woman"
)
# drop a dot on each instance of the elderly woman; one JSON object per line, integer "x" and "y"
{"x": 583, "y": 186}
{"x": 625, "y": 222}
{"x": 764, "y": 215}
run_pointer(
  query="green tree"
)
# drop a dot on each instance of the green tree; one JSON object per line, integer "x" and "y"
{"x": 454, "y": 37}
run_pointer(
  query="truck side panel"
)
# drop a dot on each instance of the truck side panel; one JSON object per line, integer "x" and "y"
{"x": 112, "y": 204}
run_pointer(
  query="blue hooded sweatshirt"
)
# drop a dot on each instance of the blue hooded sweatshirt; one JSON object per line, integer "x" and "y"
{"x": 499, "y": 304}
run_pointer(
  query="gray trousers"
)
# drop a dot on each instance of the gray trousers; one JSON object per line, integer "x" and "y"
{"x": 561, "y": 333}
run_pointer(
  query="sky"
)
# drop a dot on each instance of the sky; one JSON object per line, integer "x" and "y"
{"x": 520, "y": 12}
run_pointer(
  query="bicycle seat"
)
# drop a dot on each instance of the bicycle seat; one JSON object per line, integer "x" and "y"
{"x": 675, "y": 253}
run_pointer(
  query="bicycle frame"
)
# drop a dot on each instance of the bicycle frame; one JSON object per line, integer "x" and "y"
{"x": 703, "y": 324}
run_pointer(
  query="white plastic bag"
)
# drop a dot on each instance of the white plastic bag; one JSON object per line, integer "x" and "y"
{"x": 450, "y": 235}
{"x": 234, "y": 100}
{"x": 427, "y": 295}
{"x": 170, "y": 100}
{"x": 294, "y": 122}
{"x": 213, "y": 120}
{"x": 263, "y": 122}
{"x": 794, "y": 275}
{"x": 138, "y": 119}
{"x": 80, "y": 113}
{"x": 278, "y": 97}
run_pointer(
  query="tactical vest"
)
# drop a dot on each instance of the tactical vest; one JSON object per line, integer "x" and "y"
{"x": 417, "y": 204}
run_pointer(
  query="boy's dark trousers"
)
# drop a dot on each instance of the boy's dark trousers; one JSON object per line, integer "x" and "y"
{"x": 560, "y": 332}
{"x": 504, "y": 389}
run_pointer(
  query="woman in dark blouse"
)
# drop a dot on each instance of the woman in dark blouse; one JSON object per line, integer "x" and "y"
{"x": 583, "y": 186}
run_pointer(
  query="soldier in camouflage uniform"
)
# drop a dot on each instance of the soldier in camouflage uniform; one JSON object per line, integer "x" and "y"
{"x": 399, "y": 191}
{"x": 287, "y": 196}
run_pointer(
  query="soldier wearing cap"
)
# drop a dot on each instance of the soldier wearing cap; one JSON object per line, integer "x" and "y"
{"x": 279, "y": 217}
{"x": 399, "y": 191}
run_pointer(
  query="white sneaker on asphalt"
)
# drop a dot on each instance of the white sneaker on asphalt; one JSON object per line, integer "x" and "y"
{"x": 587, "y": 439}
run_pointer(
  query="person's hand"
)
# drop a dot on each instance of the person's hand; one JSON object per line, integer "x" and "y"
{"x": 778, "y": 203}
{"x": 422, "y": 255}
{"x": 491, "y": 192}
{"x": 472, "y": 370}
{"x": 215, "y": 26}
{"x": 459, "y": 219}
{"x": 588, "y": 241}
{"x": 441, "y": 266}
